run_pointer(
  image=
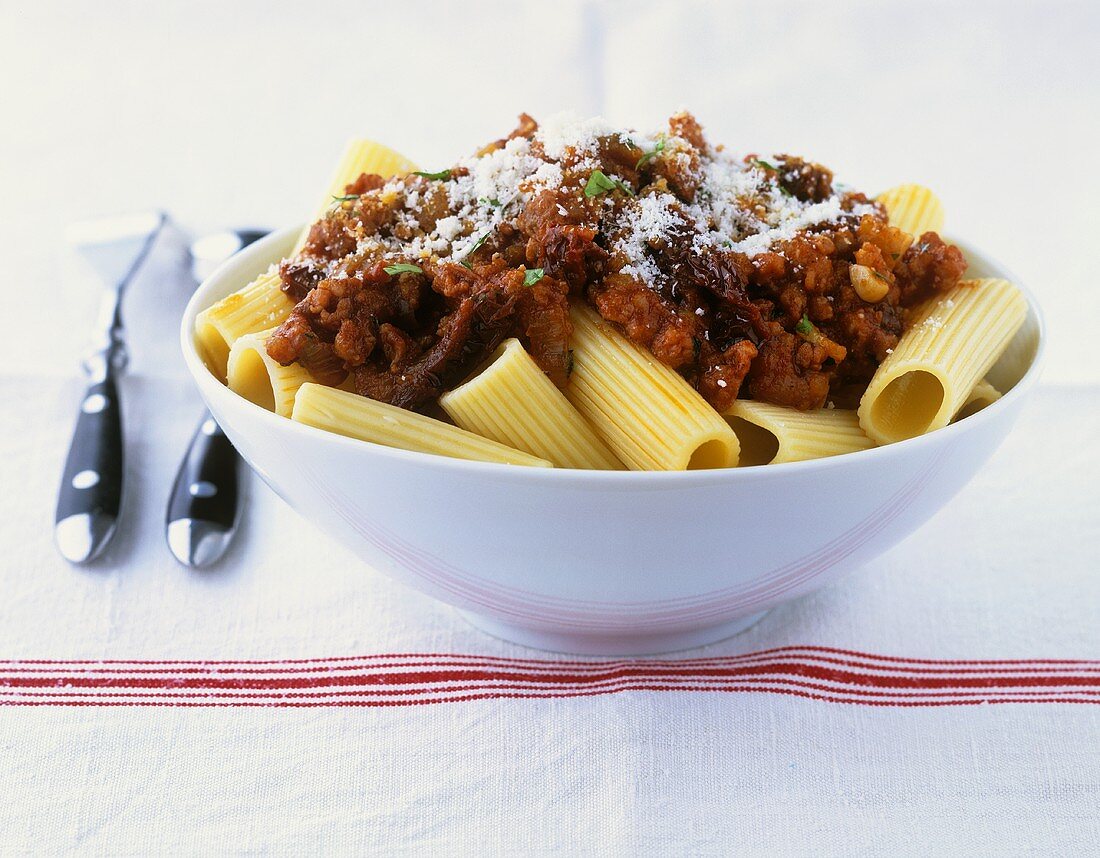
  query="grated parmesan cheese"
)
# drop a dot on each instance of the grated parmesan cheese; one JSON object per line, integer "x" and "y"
{"x": 651, "y": 218}
{"x": 569, "y": 131}
{"x": 738, "y": 205}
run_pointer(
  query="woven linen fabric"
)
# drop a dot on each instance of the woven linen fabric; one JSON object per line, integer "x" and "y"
{"x": 538, "y": 754}
{"x": 293, "y": 701}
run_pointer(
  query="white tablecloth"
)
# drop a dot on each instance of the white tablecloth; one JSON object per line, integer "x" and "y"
{"x": 815, "y": 745}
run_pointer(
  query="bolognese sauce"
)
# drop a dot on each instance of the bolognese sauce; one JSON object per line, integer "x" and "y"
{"x": 752, "y": 276}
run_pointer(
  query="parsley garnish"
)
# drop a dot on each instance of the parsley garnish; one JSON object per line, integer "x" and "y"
{"x": 489, "y": 201}
{"x": 533, "y": 276}
{"x": 880, "y": 276}
{"x": 807, "y": 330}
{"x": 465, "y": 261}
{"x": 347, "y": 198}
{"x": 403, "y": 268}
{"x": 649, "y": 156}
{"x": 764, "y": 165}
{"x": 477, "y": 244}
{"x": 600, "y": 183}
{"x": 441, "y": 176}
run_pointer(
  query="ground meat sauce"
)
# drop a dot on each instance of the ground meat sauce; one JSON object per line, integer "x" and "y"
{"x": 736, "y": 271}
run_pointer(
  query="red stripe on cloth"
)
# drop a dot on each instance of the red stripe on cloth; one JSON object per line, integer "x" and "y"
{"x": 621, "y": 685}
{"x": 424, "y": 657}
{"x": 501, "y": 695}
{"x": 420, "y": 676}
{"x": 407, "y": 679}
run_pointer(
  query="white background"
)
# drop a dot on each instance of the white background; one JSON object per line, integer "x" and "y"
{"x": 232, "y": 114}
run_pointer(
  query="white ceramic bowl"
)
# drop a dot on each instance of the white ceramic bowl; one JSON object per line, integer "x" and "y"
{"x": 608, "y": 563}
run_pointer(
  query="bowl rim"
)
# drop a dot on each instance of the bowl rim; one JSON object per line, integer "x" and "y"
{"x": 258, "y": 255}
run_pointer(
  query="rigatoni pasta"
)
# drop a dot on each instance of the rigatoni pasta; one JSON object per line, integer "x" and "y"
{"x": 647, "y": 414}
{"x": 552, "y": 307}
{"x": 359, "y": 156}
{"x": 913, "y": 208}
{"x": 982, "y": 396}
{"x": 950, "y": 345}
{"x": 259, "y": 306}
{"x": 773, "y": 434}
{"x": 358, "y": 417}
{"x": 513, "y": 402}
{"x": 254, "y": 375}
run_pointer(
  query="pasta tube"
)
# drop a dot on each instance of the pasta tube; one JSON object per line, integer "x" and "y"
{"x": 358, "y": 417}
{"x": 257, "y": 307}
{"x": 513, "y": 402}
{"x": 360, "y": 156}
{"x": 771, "y": 434}
{"x": 262, "y": 304}
{"x": 949, "y": 346}
{"x": 649, "y": 416}
{"x": 253, "y": 374}
{"x": 913, "y": 208}
{"x": 982, "y": 396}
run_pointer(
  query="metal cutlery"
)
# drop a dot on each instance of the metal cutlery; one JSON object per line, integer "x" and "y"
{"x": 205, "y": 505}
{"x": 90, "y": 496}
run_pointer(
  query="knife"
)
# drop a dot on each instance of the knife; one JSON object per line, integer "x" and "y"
{"x": 90, "y": 496}
{"x": 205, "y": 504}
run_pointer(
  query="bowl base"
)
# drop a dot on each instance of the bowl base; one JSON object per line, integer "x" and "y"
{"x": 626, "y": 643}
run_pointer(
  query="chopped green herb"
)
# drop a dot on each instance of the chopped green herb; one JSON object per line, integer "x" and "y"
{"x": 489, "y": 201}
{"x": 649, "y": 156}
{"x": 466, "y": 265}
{"x": 403, "y": 268}
{"x": 764, "y": 165}
{"x": 477, "y": 243}
{"x": 347, "y": 198}
{"x": 598, "y": 183}
{"x": 441, "y": 176}
{"x": 808, "y": 331}
{"x": 601, "y": 183}
{"x": 881, "y": 277}
{"x": 533, "y": 276}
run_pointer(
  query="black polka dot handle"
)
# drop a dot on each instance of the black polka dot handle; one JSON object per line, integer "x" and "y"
{"x": 90, "y": 498}
{"x": 205, "y": 503}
